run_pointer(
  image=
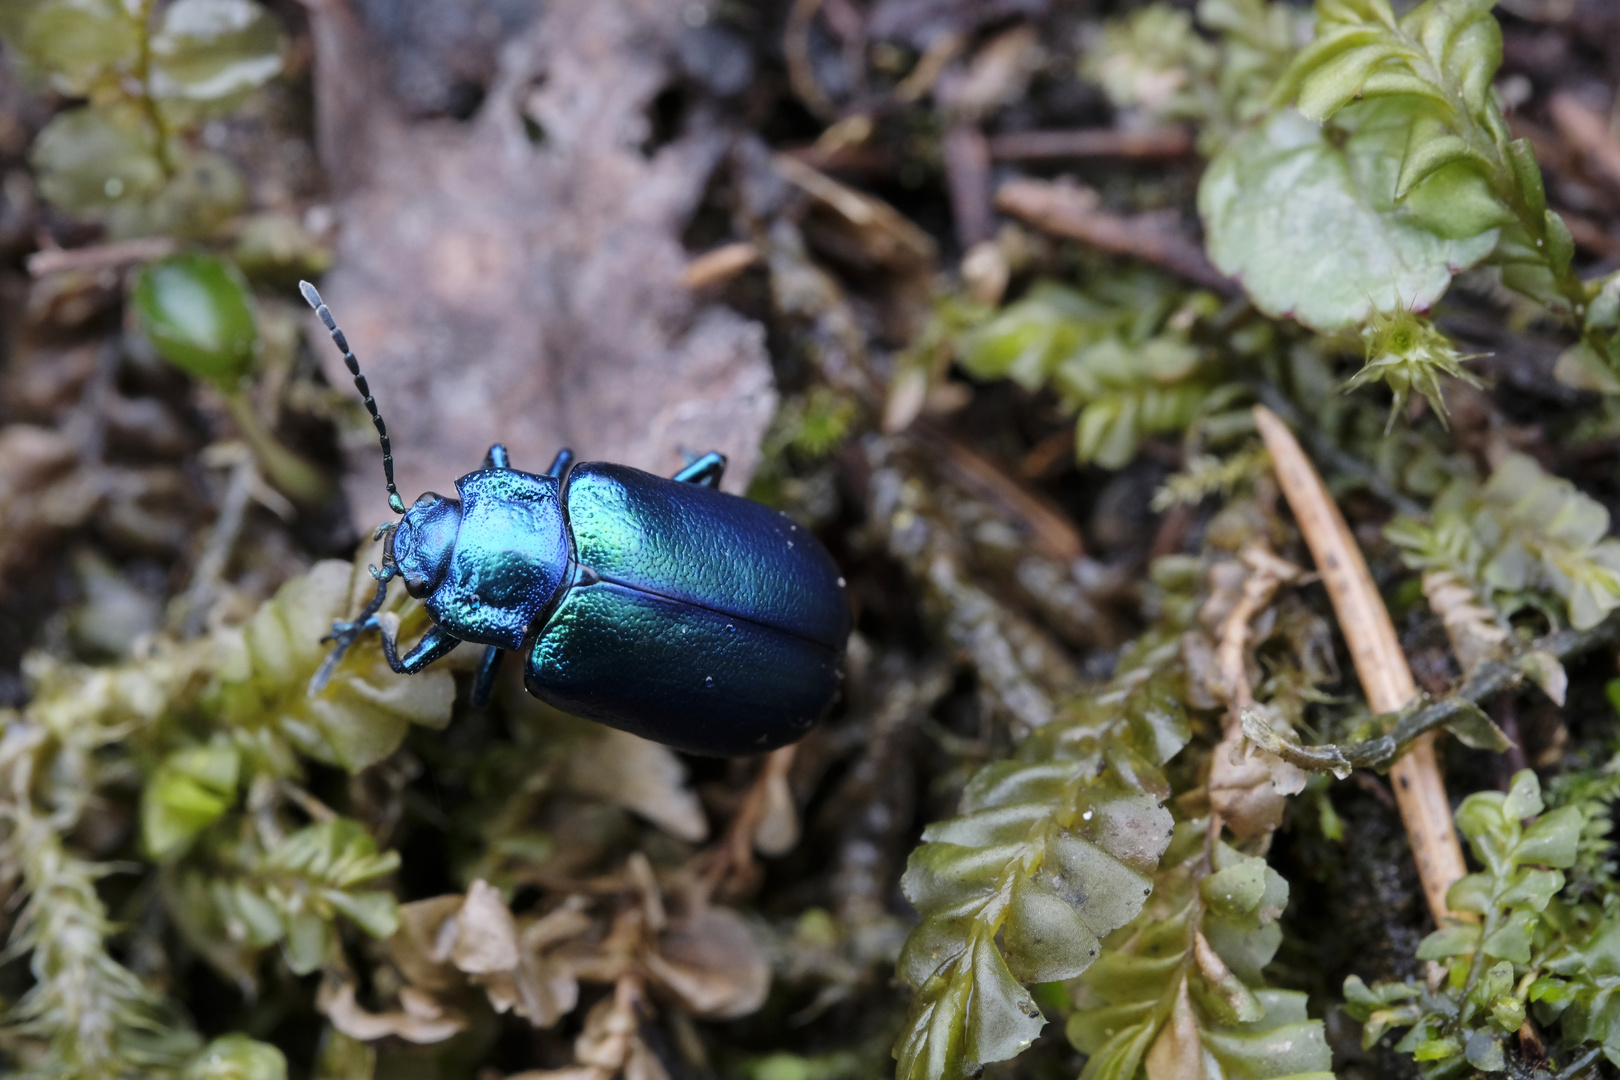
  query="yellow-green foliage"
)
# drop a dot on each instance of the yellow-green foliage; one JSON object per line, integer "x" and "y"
{"x": 151, "y": 73}
{"x": 1179, "y": 989}
{"x": 1527, "y": 950}
{"x": 219, "y": 727}
{"x": 1054, "y": 849}
{"x": 1118, "y": 354}
{"x": 1523, "y": 538}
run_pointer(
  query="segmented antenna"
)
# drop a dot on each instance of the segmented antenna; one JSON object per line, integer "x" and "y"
{"x": 313, "y": 299}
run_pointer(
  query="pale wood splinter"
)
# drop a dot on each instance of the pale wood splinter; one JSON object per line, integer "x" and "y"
{"x": 1420, "y": 792}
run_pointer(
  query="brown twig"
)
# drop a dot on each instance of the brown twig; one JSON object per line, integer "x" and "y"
{"x": 734, "y": 854}
{"x": 801, "y": 71}
{"x": 1051, "y": 533}
{"x": 1167, "y": 142}
{"x": 1067, "y": 209}
{"x": 967, "y": 175}
{"x": 1488, "y": 680}
{"x": 1380, "y": 663}
{"x": 1588, "y": 132}
{"x": 99, "y": 256}
{"x": 720, "y": 265}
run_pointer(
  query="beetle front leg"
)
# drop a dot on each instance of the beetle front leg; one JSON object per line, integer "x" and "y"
{"x": 706, "y": 470}
{"x": 497, "y": 458}
{"x": 488, "y": 668}
{"x": 434, "y": 644}
{"x": 345, "y": 633}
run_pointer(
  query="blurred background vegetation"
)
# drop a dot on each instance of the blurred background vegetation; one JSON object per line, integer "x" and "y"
{"x": 984, "y": 292}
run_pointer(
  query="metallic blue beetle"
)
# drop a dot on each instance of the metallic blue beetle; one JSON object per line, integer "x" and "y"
{"x": 663, "y": 607}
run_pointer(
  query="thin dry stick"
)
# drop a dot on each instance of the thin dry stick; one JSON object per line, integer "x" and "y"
{"x": 1380, "y": 664}
{"x": 1067, "y": 209}
{"x": 1588, "y": 131}
{"x": 1168, "y": 142}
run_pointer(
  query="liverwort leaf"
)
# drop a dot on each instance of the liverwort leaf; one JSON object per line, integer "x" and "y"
{"x": 214, "y": 50}
{"x": 90, "y": 160}
{"x": 76, "y": 41}
{"x": 1053, "y": 851}
{"x": 187, "y": 793}
{"x": 361, "y": 715}
{"x": 1309, "y": 223}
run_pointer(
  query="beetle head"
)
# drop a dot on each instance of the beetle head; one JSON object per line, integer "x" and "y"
{"x": 423, "y": 542}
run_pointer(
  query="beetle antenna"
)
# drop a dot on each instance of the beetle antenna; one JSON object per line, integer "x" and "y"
{"x": 313, "y": 299}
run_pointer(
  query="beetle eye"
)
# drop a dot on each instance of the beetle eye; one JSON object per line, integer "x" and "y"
{"x": 427, "y": 498}
{"x": 416, "y": 585}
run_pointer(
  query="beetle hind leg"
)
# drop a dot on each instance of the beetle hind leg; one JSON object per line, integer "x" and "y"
{"x": 488, "y": 668}
{"x": 706, "y": 470}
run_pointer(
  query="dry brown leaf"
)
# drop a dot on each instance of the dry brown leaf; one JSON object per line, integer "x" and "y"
{"x": 641, "y": 776}
{"x": 1178, "y": 1053}
{"x": 421, "y": 1018}
{"x": 498, "y": 287}
{"x": 486, "y": 933}
{"x": 611, "y": 1041}
{"x": 450, "y": 940}
{"x": 1249, "y": 786}
{"x": 418, "y": 947}
{"x": 708, "y": 961}
{"x": 1473, "y": 629}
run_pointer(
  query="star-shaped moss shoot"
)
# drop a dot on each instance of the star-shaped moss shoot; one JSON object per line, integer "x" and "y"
{"x": 1407, "y": 352}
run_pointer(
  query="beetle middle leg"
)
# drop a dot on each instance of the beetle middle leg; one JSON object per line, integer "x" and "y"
{"x": 488, "y": 668}
{"x": 706, "y": 470}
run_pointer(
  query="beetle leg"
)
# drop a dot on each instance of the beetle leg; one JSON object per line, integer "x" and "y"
{"x": 344, "y": 633}
{"x": 560, "y": 463}
{"x": 488, "y": 668}
{"x": 434, "y": 644}
{"x": 496, "y": 458}
{"x": 706, "y": 470}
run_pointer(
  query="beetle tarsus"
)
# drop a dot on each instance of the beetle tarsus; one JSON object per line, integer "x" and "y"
{"x": 345, "y": 633}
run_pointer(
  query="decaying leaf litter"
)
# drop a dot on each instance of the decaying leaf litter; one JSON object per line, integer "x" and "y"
{"x": 1046, "y": 317}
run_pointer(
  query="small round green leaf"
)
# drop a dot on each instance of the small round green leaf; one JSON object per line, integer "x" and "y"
{"x": 187, "y": 793}
{"x": 1310, "y": 226}
{"x": 76, "y": 41}
{"x": 237, "y": 1057}
{"x": 91, "y": 160}
{"x": 214, "y": 50}
{"x": 196, "y": 311}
